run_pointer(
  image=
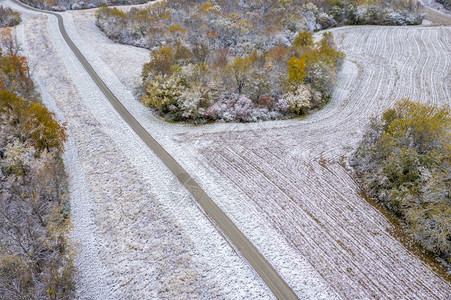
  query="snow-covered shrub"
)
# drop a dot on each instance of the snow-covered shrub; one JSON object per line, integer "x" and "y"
{"x": 282, "y": 106}
{"x": 223, "y": 110}
{"x": 58, "y": 8}
{"x": 378, "y": 15}
{"x": 321, "y": 77}
{"x": 163, "y": 93}
{"x": 266, "y": 101}
{"x": 258, "y": 84}
{"x": 369, "y": 14}
{"x": 402, "y": 17}
{"x": 326, "y": 20}
{"x": 310, "y": 22}
{"x": 299, "y": 99}
{"x": 8, "y": 17}
{"x": 192, "y": 103}
{"x": 75, "y": 6}
{"x": 243, "y": 109}
{"x": 338, "y": 14}
{"x": 18, "y": 157}
{"x": 310, "y": 7}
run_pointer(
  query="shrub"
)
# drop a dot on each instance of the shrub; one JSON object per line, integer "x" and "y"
{"x": 303, "y": 39}
{"x": 41, "y": 126}
{"x": 8, "y": 17}
{"x": 163, "y": 93}
{"x": 299, "y": 99}
{"x": 160, "y": 64}
{"x": 192, "y": 103}
{"x": 296, "y": 69}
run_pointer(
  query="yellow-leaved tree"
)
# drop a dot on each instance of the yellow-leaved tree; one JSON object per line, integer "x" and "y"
{"x": 296, "y": 69}
{"x": 41, "y": 126}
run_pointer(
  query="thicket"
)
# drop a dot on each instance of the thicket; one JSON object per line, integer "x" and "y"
{"x": 275, "y": 22}
{"x": 404, "y": 162}
{"x": 241, "y": 61}
{"x": 35, "y": 255}
{"x": 210, "y": 64}
{"x": 8, "y": 17}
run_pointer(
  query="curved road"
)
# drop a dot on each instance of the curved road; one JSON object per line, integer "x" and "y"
{"x": 234, "y": 236}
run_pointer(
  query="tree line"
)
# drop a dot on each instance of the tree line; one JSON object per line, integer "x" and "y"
{"x": 36, "y": 259}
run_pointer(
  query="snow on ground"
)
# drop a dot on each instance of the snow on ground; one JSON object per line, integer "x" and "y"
{"x": 283, "y": 183}
{"x": 137, "y": 231}
{"x": 128, "y": 60}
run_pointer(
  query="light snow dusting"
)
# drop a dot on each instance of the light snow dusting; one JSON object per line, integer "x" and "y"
{"x": 283, "y": 183}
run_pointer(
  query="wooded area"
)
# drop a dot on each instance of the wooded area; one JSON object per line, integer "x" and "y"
{"x": 404, "y": 162}
{"x": 35, "y": 253}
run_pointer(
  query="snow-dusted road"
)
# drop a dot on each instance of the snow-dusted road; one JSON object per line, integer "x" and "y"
{"x": 283, "y": 183}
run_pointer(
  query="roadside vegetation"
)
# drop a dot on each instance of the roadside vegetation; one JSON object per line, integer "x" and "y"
{"x": 240, "y": 61}
{"x": 35, "y": 255}
{"x": 8, "y": 17}
{"x": 404, "y": 162}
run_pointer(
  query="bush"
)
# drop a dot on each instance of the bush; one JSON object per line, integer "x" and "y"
{"x": 299, "y": 99}
{"x": 239, "y": 84}
{"x": 163, "y": 93}
{"x": 45, "y": 132}
{"x": 9, "y": 17}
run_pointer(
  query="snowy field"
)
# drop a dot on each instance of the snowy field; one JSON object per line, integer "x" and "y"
{"x": 283, "y": 183}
